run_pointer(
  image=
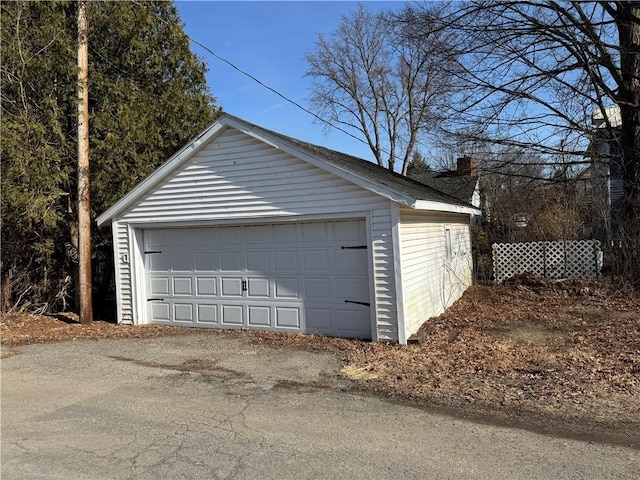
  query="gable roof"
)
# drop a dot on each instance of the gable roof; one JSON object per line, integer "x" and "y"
{"x": 366, "y": 174}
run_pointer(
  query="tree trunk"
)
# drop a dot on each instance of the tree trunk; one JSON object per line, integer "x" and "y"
{"x": 629, "y": 28}
{"x": 629, "y": 32}
{"x": 6, "y": 291}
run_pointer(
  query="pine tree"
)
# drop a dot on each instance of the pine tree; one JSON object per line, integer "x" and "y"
{"x": 148, "y": 96}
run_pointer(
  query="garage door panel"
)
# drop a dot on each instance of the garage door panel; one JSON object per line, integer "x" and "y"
{"x": 287, "y": 317}
{"x": 182, "y": 286}
{"x": 291, "y": 276}
{"x": 231, "y": 261}
{"x": 159, "y": 286}
{"x": 258, "y": 287}
{"x": 207, "y": 314}
{"x": 229, "y": 235}
{"x": 259, "y": 316}
{"x": 231, "y": 287}
{"x": 287, "y": 288}
{"x": 350, "y": 260}
{"x": 206, "y": 262}
{"x": 285, "y": 261}
{"x": 160, "y": 311}
{"x": 317, "y": 288}
{"x": 200, "y": 236}
{"x": 315, "y": 232}
{"x": 348, "y": 231}
{"x": 258, "y": 262}
{"x": 158, "y": 262}
{"x": 232, "y": 315}
{"x": 285, "y": 233}
{"x": 315, "y": 261}
{"x": 318, "y": 320}
{"x": 182, "y": 262}
{"x": 183, "y": 239}
{"x": 256, "y": 235}
{"x": 350, "y": 322}
{"x": 352, "y": 289}
{"x": 206, "y": 286}
{"x": 183, "y": 312}
{"x": 157, "y": 238}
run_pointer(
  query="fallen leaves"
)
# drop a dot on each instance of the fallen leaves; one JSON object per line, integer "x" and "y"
{"x": 24, "y": 329}
{"x": 537, "y": 347}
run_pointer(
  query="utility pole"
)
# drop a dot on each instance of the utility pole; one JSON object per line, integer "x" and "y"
{"x": 84, "y": 216}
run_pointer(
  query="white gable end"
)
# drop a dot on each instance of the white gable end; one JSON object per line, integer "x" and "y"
{"x": 237, "y": 176}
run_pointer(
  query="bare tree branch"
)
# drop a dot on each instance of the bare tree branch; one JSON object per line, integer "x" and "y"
{"x": 369, "y": 75}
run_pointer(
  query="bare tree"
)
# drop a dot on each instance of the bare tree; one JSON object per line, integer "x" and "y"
{"x": 534, "y": 72}
{"x": 370, "y": 75}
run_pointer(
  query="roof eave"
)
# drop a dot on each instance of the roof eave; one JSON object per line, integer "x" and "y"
{"x": 445, "y": 207}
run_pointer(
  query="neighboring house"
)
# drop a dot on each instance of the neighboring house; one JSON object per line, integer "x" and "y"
{"x": 247, "y": 228}
{"x": 594, "y": 208}
{"x": 605, "y": 172}
{"x": 462, "y": 183}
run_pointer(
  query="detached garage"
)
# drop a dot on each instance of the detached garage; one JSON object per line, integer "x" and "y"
{"x": 247, "y": 228}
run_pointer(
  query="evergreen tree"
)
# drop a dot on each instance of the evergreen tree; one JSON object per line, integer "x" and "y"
{"x": 417, "y": 165}
{"x": 148, "y": 96}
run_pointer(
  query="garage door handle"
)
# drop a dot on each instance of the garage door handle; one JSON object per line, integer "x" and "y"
{"x": 358, "y": 303}
{"x": 152, "y": 251}
{"x": 357, "y": 247}
{"x": 154, "y": 299}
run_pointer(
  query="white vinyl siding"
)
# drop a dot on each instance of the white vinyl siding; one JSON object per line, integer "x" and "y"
{"x": 431, "y": 282}
{"x": 383, "y": 275}
{"x": 236, "y": 177}
{"x": 122, "y": 258}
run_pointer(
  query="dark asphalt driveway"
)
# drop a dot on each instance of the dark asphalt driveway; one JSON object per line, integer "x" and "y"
{"x": 199, "y": 406}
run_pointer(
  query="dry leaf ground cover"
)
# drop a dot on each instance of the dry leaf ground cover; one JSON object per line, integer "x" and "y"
{"x": 560, "y": 357}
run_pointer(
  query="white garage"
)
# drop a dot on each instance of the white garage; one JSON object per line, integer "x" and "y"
{"x": 247, "y": 228}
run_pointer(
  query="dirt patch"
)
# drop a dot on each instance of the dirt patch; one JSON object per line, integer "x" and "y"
{"x": 531, "y": 334}
{"x": 561, "y": 357}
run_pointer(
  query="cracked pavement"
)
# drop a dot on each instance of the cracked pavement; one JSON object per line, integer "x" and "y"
{"x": 210, "y": 407}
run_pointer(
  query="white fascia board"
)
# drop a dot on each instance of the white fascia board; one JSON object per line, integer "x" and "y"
{"x": 161, "y": 172}
{"x": 444, "y": 207}
{"x": 318, "y": 161}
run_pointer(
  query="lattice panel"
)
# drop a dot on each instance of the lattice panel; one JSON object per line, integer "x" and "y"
{"x": 571, "y": 259}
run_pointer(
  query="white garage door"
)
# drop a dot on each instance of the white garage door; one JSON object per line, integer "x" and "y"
{"x": 296, "y": 277}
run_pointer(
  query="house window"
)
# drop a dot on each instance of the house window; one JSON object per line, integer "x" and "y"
{"x": 448, "y": 247}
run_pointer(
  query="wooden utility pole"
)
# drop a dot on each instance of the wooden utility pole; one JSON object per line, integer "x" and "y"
{"x": 84, "y": 216}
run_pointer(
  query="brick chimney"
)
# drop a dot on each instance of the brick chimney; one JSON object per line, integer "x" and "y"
{"x": 467, "y": 166}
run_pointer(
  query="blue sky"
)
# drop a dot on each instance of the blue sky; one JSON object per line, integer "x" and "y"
{"x": 269, "y": 40}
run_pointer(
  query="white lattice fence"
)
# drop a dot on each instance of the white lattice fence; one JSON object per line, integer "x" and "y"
{"x": 571, "y": 259}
